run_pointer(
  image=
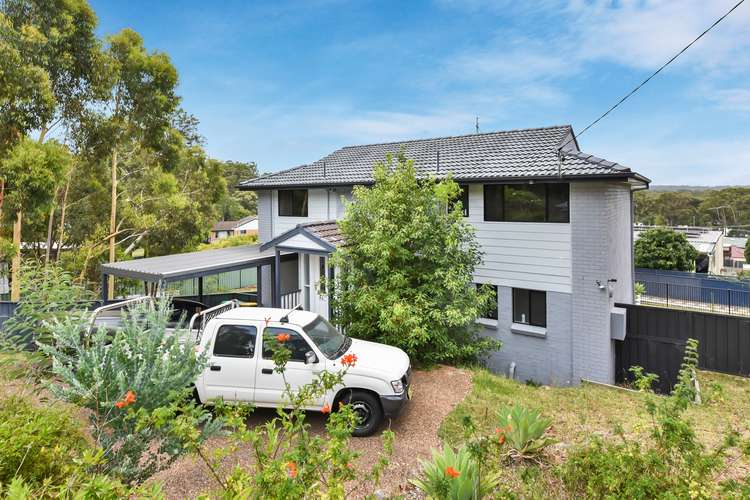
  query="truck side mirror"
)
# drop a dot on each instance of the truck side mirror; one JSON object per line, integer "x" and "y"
{"x": 310, "y": 358}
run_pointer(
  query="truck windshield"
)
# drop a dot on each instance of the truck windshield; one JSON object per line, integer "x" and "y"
{"x": 325, "y": 336}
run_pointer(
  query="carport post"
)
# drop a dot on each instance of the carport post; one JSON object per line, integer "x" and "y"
{"x": 200, "y": 289}
{"x": 259, "y": 285}
{"x": 277, "y": 279}
{"x": 105, "y": 288}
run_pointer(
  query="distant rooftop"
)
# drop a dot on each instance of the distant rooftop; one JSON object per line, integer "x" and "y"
{"x": 229, "y": 225}
{"x": 493, "y": 156}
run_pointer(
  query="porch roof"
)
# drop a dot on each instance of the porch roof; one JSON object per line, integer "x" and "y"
{"x": 314, "y": 237}
{"x": 190, "y": 265}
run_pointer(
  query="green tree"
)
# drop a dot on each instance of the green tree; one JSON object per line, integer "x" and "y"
{"x": 139, "y": 108}
{"x": 662, "y": 248}
{"x": 405, "y": 274}
{"x": 238, "y": 204}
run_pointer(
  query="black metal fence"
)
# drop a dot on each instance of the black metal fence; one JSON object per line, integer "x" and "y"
{"x": 696, "y": 298}
{"x": 656, "y": 340}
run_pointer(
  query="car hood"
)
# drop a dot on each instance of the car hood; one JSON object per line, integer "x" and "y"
{"x": 377, "y": 360}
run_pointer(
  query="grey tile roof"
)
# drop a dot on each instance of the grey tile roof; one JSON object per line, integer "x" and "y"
{"x": 506, "y": 155}
{"x": 328, "y": 231}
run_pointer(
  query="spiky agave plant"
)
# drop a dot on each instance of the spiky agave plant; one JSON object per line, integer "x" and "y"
{"x": 454, "y": 475}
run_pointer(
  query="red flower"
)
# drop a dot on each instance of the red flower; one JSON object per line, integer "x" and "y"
{"x": 282, "y": 337}
{"x": 128, "y": 399}
{"x": 450, "y": 471}
{"x": 291, "y": 469}
{"x": 326, "y": 408}
{"x": 349, "y": 359}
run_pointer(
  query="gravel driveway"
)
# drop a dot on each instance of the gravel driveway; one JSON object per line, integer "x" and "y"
{"x": 436, "y": 393}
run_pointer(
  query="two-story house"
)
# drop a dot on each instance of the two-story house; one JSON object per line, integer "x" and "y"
{"x": 554, "y": 224}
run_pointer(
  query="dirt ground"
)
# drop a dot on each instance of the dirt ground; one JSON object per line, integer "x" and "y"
{"x": 436, "y": 393}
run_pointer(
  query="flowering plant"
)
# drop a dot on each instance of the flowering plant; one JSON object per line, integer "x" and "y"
{"x": 134, "y": 382}
{"x": 289, "y": 461}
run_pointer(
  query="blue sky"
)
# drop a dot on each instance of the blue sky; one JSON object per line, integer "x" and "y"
{"x": 284, "y": 83}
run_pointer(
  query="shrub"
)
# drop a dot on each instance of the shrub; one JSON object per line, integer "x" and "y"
{"x": 662, "y": 248}
{"x": 406, "y": 271}
{"x": 134, "y": 383}
{"x": 48, "y": 294}
{"x": 674, "y": 465}
{"x": 523, "y": 431}
{"x": 81, "y": 487}
{"x": 39, "y": 443}
{"x": 454, "y": 475}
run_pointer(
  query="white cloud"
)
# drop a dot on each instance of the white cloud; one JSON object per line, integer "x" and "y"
{"x": 733, "y": 99}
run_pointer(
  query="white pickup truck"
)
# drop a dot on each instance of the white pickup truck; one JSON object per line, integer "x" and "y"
{"x": 240, "y": 367}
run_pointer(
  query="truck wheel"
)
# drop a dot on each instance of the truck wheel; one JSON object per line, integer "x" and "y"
{"x": 367, "y": 408}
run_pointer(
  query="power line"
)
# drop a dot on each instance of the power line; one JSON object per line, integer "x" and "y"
{"x": 644, "y": 82}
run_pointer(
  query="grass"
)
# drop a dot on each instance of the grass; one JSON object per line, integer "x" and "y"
{"x": 577, "y": 413}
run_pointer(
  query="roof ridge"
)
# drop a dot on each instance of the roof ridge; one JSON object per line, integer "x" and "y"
{"x": 510, "y": 131}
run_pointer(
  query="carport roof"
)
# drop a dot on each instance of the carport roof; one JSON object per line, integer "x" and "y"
{"x": 190, "y": 265}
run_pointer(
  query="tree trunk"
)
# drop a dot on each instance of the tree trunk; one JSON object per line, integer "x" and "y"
{"x": 15, "y": 276}
{"x": 61, "y": 231}
{"x": 50, "y": 223}
{"x": 113, "y": 223}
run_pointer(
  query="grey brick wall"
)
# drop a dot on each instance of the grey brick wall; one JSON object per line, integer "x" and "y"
{"x": 600, "y": 223}
{"x": 546, "y": 360}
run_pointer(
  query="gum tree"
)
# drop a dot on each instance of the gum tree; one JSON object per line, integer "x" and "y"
{"x": 404, "y": 276}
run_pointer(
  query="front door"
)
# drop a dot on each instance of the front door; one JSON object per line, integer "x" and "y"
{"x": 269, "y": 386}
{"x": 230, "y": 373}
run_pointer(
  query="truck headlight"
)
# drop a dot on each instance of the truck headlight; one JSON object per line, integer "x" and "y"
{"x": 398, "y": 386}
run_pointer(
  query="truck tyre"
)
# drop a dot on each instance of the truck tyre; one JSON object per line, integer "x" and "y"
{"x": 367, "y": 408}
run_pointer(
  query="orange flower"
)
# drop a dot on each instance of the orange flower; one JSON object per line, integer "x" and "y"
{"x": 326, "y": 408}
{"x": 349, "y": 359}
{"x": 450, "y": 471}
{"x": 500, "y": 435}
{"x": 282, "y": 337}
{"x": 291, "y": 469}
{"x": 129, "y": 397}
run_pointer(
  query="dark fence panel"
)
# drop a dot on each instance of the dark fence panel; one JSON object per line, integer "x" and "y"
{"x": 6, "y": 311}
{"x": 656, "y": 340}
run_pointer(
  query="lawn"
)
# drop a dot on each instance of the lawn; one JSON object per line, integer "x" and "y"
{"x": 577, "y": 413}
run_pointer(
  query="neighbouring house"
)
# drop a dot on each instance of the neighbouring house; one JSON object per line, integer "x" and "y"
{"x": 734, "y": 254}
{"x": 554, "y": 224}
{"x": 708, "y": 242}
{"x": 225, "y": 228}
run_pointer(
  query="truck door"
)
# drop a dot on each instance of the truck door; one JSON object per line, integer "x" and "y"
{"x": 230, "y": 373}
{"x": 269, "y": 385}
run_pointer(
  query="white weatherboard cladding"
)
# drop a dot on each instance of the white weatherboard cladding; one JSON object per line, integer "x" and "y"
{"x": 317, "y": 210}
{"x": 301, "y": 241}
{"x": 534, "y": 255}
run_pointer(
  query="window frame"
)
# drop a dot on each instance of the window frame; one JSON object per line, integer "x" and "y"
{"x": 291, "y": 192}
{"x": 502, "y": 209}
{"x": 529, "y": 302}
{"x": 497, "y": 300}
{"x": 463, "y": 198}
{"x": 285, "y": 330}
{"x": 236, "y": 356}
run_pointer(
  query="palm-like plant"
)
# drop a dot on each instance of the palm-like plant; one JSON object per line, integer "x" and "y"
{"x": 454, "y": 475}
{"x": 523, "y": 430}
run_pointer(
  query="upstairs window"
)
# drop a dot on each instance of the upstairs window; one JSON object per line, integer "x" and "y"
{"x": 530, "y": 307}
{"x": 527, "y": 202}
{"x": 293, "y": 203}
{"x": 463, "y": 197}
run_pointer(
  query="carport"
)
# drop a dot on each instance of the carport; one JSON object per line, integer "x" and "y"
{"x": 155, "y": 272}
